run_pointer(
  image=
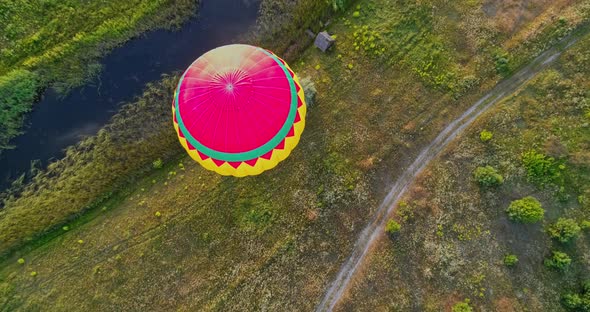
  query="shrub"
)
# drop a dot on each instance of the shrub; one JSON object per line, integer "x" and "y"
{"x": 21, "y": 261}
{"x": 564, "y": 230}
{"x": 339, "y": 5}
{"x": 571, "y": 301}
{"x": 488, "y": 176}
{"x": 578, "y": 301}
{"x": 559, "y": 260}
{"x": 525, "y": 210}
{"x": 158, "y": 164}
{"x": 392, "y": 227}
{"x": 502, "y": 64}
{"x": 541, "y": 169}
{"x": 585, "y": 225}
{"x": 485, "y": 135}
{"x": 510, "y": 260}
{"x": 462, "y": 306}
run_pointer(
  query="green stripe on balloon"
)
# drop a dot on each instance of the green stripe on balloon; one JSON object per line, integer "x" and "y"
{"x": 257, "y": 152}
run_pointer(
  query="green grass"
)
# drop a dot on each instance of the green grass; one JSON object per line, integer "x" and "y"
{"x": 546, "y": 116}
{"x": 18, "y": 90}
{"x": 93, "y": 170}
{"x": 59, "y": 44}
{"x": 221, "y": 243}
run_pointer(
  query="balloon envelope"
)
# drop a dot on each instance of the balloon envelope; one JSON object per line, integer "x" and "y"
{"x": 239, "y": 110}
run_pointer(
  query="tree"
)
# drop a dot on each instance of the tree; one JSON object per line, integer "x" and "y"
{"x": 488, "y": 176}
{"x": 564, "y": 230}
{"x": 392, "y": 227}
{"x": 559, "y": 260}
{"x": 525, "y": 210}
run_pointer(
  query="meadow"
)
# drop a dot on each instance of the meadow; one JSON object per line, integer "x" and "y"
{"x": 59, "y": 44}
{"x": 174, "y": 236}
{"x": 456, "y": 232}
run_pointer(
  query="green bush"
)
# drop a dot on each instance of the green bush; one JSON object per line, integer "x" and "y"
{"x": 542, "y": 169}
{"x": 340, "y": 5}
{"x": 571, "y": 301}
{"x": 158, "y": 164}
{"x": 525, "y": 210}
{"x": 462, "y": 306}
{"x": 578, "y": 301}
{"x": 485, "y": 135}
{"x": 559, "y": 260}
{"x": 585, "y": 225}
{"x": 564, "y": 230}
{"x": 392, "y": 227}
{"x": 502, "y": 63}
{"x": 510, "y": 260}
{"x": 488, "y": 176}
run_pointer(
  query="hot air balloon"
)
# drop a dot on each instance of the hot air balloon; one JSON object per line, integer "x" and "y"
{"x": 239, "y": 110}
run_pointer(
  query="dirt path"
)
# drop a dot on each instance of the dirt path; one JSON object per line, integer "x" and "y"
{"x": 374, "y": 228}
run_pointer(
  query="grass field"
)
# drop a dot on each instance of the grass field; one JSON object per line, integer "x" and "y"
{"x": 59, "y": 44}
{"x": 455, "y": 233}
{"x": 182, "y": 238}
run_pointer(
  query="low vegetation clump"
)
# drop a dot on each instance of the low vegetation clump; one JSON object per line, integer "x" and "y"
{"x": 526, "y": 210}
{"x": 488, "y": 176}
{"x": 158, "y": 164}
{"x": 485, "y": 135}
{"x": 462, "y": 306}
{"x": 510, "y": 260}
{"x": 541, "y": 169}
{"x": 559, "y": 261}
{"x": 392, "y": 227}
{"x": 564, "y": 230}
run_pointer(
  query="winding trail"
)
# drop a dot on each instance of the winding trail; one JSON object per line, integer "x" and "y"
{"x": 374, "y": 228}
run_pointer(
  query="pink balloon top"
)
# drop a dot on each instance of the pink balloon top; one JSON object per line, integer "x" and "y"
{"x": 236, "y": 102}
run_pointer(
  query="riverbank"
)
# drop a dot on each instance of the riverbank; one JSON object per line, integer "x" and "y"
{"x": 60, "y": 44}
{"x": 59, "y": 121}
{"x": 186, "y": 238}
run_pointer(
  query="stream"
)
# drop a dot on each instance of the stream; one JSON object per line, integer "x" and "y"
{"x": 58, "y": 122}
